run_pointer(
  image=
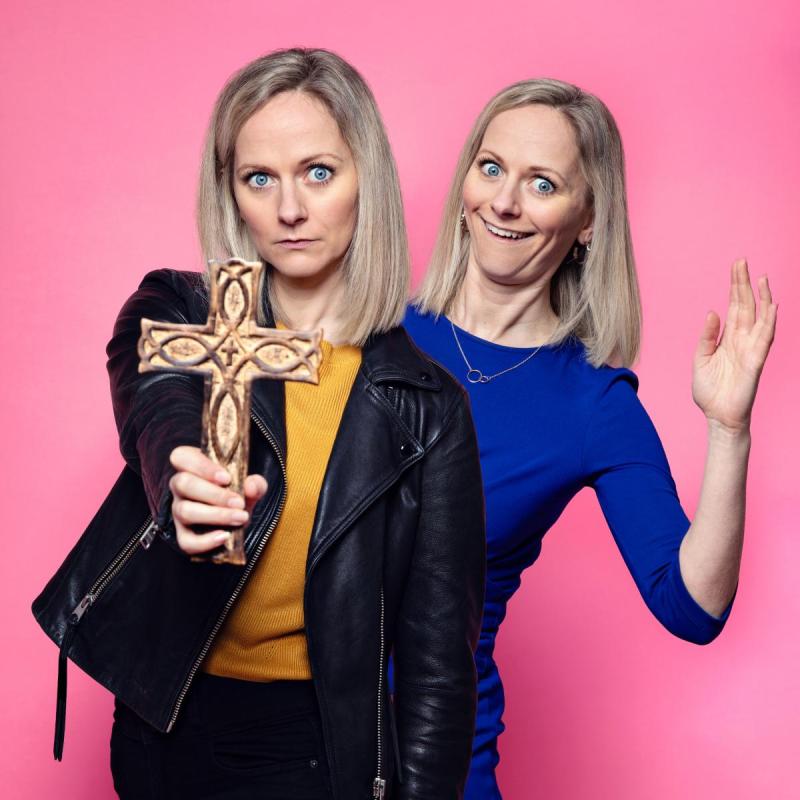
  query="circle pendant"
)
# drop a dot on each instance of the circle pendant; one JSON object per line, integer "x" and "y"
{"x": 476, "y": 376}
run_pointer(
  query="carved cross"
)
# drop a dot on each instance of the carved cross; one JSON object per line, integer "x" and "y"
{"x": 230, "y": 351}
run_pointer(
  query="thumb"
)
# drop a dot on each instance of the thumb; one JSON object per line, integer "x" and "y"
{"x": 255, "y": 487}
{"x": 708, "y": 338}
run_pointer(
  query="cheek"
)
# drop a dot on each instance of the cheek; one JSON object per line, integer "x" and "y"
{"x": 251, "y": 212}
{"x": 338, "y": 211}
{"x": 557, "y": 219}
{"x": 472, "y": 195}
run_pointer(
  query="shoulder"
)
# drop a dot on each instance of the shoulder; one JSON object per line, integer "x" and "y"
{"x": 168, "y": 294}
{"x": 184, "y": 284}
{"x": 423, "y": 325}
{"x": 395, "y": 362}
{"x": 594, "y": 384}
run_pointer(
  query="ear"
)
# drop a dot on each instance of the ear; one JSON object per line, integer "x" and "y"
{"x": 586, "y": 232}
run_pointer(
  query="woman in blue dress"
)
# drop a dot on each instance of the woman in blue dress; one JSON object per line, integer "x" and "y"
{"x": 531, "y": 300}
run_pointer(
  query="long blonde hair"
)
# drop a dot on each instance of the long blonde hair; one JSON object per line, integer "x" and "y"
{"x": 596, "y": 298}
{"x": 376, "y": 265}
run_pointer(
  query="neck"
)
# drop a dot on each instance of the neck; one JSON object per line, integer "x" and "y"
{"x": 311, "y": 303}
{"x": 517, "y": 316}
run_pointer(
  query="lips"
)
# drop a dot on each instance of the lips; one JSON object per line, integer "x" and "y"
{"x": 296, "y": 244}
{"x": 505, "y": 233}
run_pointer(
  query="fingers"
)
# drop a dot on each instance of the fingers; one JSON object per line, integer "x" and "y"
{"x": 733, "y": 305}
{"x": 193, "y": 543}
{"x": 764, "y": 296}
{"x": 186, "y": 486}
{"x": 709, "y": 335}
{"x": 747, "y": 300}
{"x": 201, "y": 498}
{"x": 765, "y": 325}
{"x": 255, "y": 487}
{"x": 192, "y": 459}
{"x": 189, "y": 514}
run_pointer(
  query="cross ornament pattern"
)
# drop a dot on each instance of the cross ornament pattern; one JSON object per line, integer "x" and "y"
{"x": 230, "y": 351}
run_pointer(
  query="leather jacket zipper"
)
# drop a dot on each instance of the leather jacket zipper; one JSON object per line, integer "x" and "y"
{"x": 379, "y": 784}
{"x": 144, "y": 536}
{"x": 245, "y": 574}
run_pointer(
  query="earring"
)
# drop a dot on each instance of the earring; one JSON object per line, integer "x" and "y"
{"x": 463, "y": 221}
{"x": 576, "y": 252}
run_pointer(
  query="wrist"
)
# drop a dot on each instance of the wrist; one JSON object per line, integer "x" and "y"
{"x": 728, "y": 434}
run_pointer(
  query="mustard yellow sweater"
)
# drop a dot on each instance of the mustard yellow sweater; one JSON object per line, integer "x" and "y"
{"x": 263, "y": 638}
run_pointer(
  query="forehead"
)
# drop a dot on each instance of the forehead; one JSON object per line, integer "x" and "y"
{"x": 534, "y": 134}
{"x": 292, "y": 125}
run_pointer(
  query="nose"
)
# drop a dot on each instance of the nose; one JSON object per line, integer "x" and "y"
{"x": 505, "y": 203}
{"x": 291, "y": 210}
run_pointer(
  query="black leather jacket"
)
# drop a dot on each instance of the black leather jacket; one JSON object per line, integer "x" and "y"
{"x": 395, "y": 563}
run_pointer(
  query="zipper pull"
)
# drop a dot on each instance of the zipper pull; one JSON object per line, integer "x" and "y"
{"x": 146, "y": 539}
{"x": 80, "y": 609}
{"x": 379, "y": 788}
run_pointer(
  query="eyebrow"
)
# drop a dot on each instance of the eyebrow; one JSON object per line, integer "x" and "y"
{"x": 303, "y": 162}
{"x": 320, "y": 156}
{"x": 532, "y": 168}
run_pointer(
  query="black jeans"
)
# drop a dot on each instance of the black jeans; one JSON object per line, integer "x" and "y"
{"x": 233, "y": 740}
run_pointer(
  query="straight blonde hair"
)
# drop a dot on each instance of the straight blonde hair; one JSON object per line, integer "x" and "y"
{"x": 376, "y": 266}
{"x": 596, "y": 297}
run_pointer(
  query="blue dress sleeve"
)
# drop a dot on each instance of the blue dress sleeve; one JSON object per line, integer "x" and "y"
{"x": 624, "y": 462}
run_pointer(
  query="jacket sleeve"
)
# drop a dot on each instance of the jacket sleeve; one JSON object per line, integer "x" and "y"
{"x": 440, "y": 617}
{"x": 154, "y": 411}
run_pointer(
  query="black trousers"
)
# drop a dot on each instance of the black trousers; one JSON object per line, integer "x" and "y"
{"x": 233, "y": 740}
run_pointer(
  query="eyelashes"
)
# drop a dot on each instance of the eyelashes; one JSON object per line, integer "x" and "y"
{"x": 319, "y": 174}
{"x": 541, "y": 184}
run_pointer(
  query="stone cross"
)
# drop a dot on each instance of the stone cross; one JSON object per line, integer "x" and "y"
{"x": 230, "y": 351}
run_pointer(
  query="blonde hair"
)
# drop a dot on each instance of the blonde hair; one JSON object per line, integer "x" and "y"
{"x": 596, "y": 298}
{"x": 376, "y": 266}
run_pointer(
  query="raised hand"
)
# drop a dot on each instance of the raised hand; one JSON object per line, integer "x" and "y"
{"x": 725, "y": 374}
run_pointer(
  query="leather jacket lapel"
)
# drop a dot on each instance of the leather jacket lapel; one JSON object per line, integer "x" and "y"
{"x": 372, "y": 449}
{"x": 373, "y": 446}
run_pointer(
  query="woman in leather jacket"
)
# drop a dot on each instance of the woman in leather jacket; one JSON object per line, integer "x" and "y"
{"x": 364, "y": 509}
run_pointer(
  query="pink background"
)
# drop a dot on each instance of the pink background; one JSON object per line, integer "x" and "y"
{"x": 104, "y": 107}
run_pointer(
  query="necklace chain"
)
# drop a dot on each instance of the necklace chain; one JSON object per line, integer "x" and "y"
{"x": 475, "y": 375}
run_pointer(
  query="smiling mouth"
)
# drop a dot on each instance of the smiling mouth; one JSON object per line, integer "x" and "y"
{"x": 504, "y": 233}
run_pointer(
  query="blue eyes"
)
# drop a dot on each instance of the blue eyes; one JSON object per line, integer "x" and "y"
{"x": 491, "y": 169}
{"x": 320, "y": 174}
{"x": 317, "y": 174}
{"x": 258, "y": 180}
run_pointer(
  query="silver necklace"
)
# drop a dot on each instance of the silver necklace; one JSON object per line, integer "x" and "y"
{"x": 475, "y": 375}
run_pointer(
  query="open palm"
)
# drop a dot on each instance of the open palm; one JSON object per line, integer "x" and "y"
{"x": 725, "y": 374}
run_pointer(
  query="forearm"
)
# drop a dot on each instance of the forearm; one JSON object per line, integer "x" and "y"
{"x": 154, "y": 412}
{"x": 710, "y": 553}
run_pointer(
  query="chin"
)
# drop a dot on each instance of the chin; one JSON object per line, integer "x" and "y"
{"x": 501, "y": 272}
{"x": 300, "y": 268}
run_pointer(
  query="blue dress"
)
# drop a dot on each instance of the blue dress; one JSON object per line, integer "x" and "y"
{"x": 546, "y": 430}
